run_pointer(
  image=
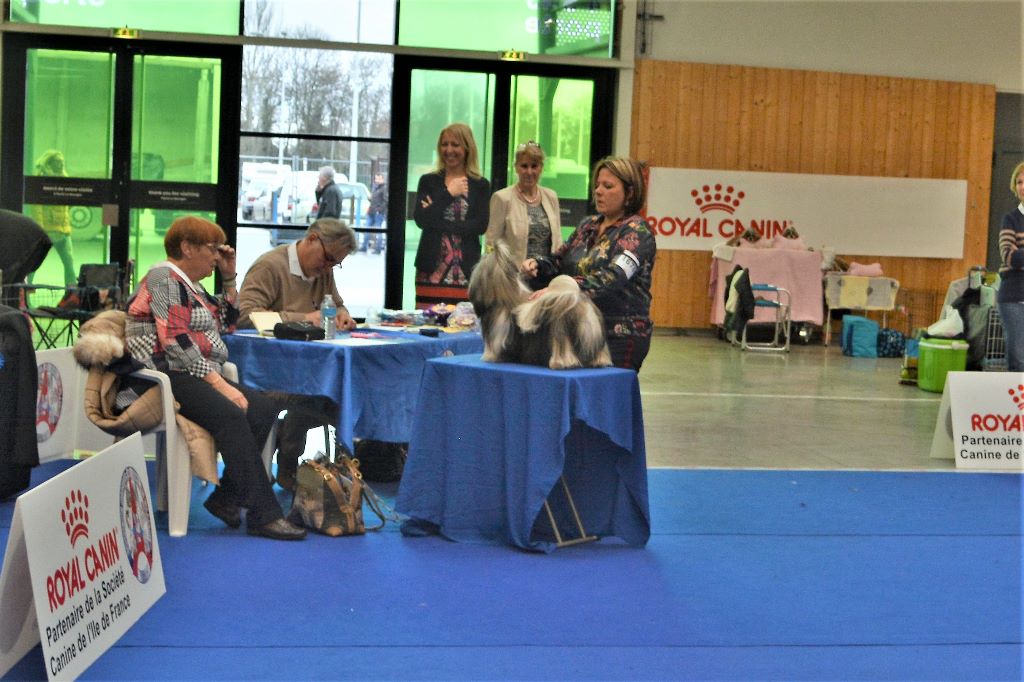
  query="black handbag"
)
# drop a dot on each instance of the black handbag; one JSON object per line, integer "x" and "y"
{"x": 298, "y": 331}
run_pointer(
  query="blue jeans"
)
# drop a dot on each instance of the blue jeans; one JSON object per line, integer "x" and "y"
{"x": 1012, "y": 315}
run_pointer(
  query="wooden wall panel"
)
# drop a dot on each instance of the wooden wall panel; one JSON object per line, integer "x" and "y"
{"x": 689, "y": 115}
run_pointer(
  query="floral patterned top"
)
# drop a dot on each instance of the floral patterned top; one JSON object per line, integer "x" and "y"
{"x": 615, "y": 270}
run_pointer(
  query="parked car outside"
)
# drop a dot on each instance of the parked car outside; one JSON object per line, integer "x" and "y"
{"x": 256, "y": 201}
{"x": 298, "y": 203}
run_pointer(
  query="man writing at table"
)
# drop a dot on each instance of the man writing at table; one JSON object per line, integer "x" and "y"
{"x": 292, "y": 280}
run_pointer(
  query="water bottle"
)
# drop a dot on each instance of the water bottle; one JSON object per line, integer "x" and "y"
{"x": 328, "y": 315}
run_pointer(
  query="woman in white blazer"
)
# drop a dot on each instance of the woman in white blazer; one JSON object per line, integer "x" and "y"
{"x": 525, "y": 215}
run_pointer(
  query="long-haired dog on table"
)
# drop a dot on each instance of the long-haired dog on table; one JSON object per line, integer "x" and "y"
{"x": 561, "y": 329}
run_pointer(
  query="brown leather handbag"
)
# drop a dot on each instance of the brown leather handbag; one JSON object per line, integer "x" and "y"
{"x": 329, "y": 497}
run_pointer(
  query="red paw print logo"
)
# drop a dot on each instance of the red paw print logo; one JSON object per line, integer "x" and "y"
{"x": 717, "y": 198}
{"x": 1017, "y": 396}
{"x": 75, "y": 516}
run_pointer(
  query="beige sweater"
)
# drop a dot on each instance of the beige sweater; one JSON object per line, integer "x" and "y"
{"x": 270, "y": 286}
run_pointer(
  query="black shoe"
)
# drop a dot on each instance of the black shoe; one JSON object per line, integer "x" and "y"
{"x": 226, "y": 513}
{"x": 286, "y": 479}
{"x": 278, "y": 530}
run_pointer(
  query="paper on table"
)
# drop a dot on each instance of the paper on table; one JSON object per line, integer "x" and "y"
{"x": 264, "y": 321}
{"x": 357, "y": 341}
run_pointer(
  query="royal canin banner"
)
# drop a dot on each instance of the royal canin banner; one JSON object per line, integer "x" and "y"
{"x": 695, "y": 209}
{"x": 82, "y": 563}
{"x": 987, "y": 412}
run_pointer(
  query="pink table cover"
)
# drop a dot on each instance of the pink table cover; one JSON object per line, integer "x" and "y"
{"x": 797, "y": 271}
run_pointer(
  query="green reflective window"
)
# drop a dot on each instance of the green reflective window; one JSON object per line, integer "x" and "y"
{"x": 175, "y": 129}
{"x": 556, "y": 27}
{"x": 556, "y": 113}
{"x": 68, "y": 116}
{"x": 176, "y": 116}
{"x": 214, "y": 17}
{"x": 437, "y": 99}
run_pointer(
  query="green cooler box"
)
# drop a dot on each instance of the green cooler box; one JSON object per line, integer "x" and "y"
{"x": 936, "y": 358}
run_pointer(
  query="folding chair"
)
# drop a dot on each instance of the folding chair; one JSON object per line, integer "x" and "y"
{"x": 58, "y": 312}
{"x": 779, "y": 300}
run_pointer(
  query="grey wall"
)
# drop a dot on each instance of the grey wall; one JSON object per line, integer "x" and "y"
{"x": 978, "y": 41}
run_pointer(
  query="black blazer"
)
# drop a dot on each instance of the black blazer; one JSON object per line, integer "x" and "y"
{"x": 431, "y": 220}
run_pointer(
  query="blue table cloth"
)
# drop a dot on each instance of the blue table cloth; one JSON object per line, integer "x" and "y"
{"x": 376, "y": 386}
{"x": 490, "y": 441}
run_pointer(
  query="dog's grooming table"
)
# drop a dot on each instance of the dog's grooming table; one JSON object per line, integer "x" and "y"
{"x": 496, "y": 447}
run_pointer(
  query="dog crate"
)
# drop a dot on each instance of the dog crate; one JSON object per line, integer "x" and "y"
{"x": 995, "y": 344}
{"x": 914, "y": 308}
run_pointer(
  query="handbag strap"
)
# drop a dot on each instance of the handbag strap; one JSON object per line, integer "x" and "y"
{"x": 373, "y": 500}
{"x": 332, "y": 482}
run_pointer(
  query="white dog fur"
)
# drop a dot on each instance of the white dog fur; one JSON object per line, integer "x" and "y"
{"x": 560, "y": 329}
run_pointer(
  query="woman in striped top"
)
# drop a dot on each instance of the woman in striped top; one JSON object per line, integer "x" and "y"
{"x": 1011, "y": 272}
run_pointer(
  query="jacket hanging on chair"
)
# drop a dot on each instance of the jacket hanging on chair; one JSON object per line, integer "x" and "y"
{"x": 19, "y": 383}
{"x": 739, "y": 301}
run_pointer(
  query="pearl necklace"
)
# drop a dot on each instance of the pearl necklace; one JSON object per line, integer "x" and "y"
{"x": 526, "y": 199}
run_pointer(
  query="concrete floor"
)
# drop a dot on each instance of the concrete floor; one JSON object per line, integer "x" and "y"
{"x": 708, "y": 404}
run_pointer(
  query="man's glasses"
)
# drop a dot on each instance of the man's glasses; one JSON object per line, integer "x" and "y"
{"x": 327, "y": 257}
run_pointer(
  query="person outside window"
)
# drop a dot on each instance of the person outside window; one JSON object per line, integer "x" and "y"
{"x": 328, "y": 195}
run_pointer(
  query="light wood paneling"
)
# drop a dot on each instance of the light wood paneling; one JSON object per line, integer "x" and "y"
{"x": 688, "y": 115}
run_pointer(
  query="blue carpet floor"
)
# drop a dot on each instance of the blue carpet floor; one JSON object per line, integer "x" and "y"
{"x": 753, "y": 575}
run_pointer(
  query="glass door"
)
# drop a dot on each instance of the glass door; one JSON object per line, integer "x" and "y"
{"x": 437, "y": 99}
{"x": 67, "y": 161}
{"x": 115, "y": 142}
{"x": 557, "y": 114}
{"x": 564, "y": 109}
{"x": 175, "y": 135}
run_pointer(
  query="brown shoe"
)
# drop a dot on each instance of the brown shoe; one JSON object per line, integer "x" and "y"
{"x": 226, "y": 513}
{"x": 278, "y": 530}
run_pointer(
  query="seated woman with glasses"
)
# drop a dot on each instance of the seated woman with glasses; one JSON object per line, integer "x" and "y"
{"x": 293, "y": 279}
{"x": 174, "y": 326}
{"x": 525, "y": 215}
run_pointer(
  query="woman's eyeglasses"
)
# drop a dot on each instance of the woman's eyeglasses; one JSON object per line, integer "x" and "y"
{"x": 528, "y": 143}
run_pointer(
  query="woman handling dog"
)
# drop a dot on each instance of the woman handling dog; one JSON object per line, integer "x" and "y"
{"x": 611, "y": 257}
{"x": 174, "y": 326}
{"x": 525, "y": 215}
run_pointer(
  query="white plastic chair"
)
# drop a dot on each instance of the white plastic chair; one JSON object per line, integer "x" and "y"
{"x": 65, "y": 429}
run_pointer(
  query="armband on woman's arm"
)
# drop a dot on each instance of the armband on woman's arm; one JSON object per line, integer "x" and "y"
{"x": 628, "y": 263}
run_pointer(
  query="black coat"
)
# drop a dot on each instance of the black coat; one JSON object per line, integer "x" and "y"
{"x": 19, "y": 381}
{"x": 25, "y": 245}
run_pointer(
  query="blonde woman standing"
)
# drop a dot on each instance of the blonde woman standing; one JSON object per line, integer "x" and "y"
{"x": 525, "y": 215}
{"x": 451, "y": 209}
